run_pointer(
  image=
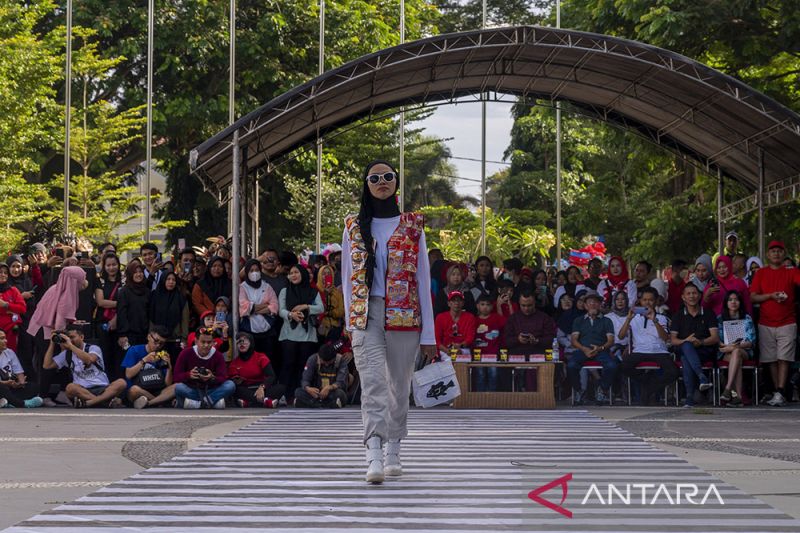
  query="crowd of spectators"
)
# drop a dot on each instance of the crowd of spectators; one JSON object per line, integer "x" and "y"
{"x": 81, "y": 328}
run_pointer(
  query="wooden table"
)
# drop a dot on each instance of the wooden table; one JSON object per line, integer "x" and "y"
{"x": 542, "y": 398}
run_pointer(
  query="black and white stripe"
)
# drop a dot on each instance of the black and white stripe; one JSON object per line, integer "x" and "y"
{"x": 303, "y": 470}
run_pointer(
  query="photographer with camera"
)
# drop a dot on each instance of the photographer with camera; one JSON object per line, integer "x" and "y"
{"x": 324, "y": 382}
{"x": 90, "y": 386}
{"x": 14, "y": 387}
{"x": 148, "y": 371}
{"x": 201, "y": 378}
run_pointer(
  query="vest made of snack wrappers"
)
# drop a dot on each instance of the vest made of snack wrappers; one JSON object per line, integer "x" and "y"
{"x": 402, "y": 299}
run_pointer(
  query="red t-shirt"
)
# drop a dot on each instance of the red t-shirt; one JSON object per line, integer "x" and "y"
{"x": 489, "y": 335}
{"x": 251, "y": 371}
{"x": 462, "y": 332}
{"x": 767, "y": 280}
{"x": 674, "y": 294}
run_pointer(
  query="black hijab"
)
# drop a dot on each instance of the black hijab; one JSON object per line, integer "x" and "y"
{"x": 166, "y": 306}
{"x": 566, "y": 317}
{"x": 139, "y": 289}
{"x": 302, "y": 293}
{"x": 247, "y": 266}
{"x": 22, "y": 282}
{"x": 244, "y": 356}
{"x": 216, "y": 287}
{"x": 372, "y": 207}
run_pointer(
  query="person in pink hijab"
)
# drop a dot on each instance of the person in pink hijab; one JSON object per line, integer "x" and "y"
{"x": 58, "y": 305}
{"x": 725, "y": 282}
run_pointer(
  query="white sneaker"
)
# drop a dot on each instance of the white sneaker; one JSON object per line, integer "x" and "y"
{"x": 777, "y": 400}
{"x": 3, "y": 402}
{"x": 374, "y": 460}
{"x": 191, "y": 404}
{"x": 391, "y": 460}
{"x": 141, "y": 402}
{"x": 220, "y": 404}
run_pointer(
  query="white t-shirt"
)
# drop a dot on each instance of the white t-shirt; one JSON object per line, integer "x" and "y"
{"x": 9, "y": 362}
{"x": 618, "y": 321}
{"x": 645, "y": 334}
{"x": 93, "y": 376}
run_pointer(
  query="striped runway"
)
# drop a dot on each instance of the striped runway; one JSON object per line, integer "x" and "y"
{"x": 302, "y": 471}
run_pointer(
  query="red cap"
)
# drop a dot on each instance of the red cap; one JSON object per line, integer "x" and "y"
{"x": 776, "y": 244}
{"x": 455, "y": 294}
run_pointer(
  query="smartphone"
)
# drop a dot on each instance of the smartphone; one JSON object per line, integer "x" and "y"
{"x": 640, "y": 311}
{"x": 187, "y": 267}
{"x": 220, "y": 316}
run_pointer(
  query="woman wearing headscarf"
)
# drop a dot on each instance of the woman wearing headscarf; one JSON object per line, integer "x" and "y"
{"x": 59, "y": 303}
{"x": 618, "y": 315}
{"x": 703, "y": 272}
{"x": 725, "y": 282}
{"x": 566, "y": 314}
{"x": 298, "y": 306}
{"x": 17, "y": 277}
{"x": 573, "y": 285}
{"x": 618, "y": 280}
{"x": 455, "y": 282}
{"x": 387, "y": 298}
{"x": 251, "y": 371}
{"x": 169, "y": 308}
{"x": 330, "y": 325}
{"x": 753, "y": 264}
{"x": 12, "y": 307}
{"x": 215, "y": 283}
{"x": 133, "y": 310}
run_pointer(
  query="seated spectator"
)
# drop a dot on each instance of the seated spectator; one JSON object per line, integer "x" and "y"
{"x": 505, "y": 305}
{"x": 455, "y": 283}
{"x": 648, "y": 330}
{"x": 592, "y": 335}
{"x": 90, "y": 386}
{"x": 324, "y": 381}
{"x": 695, "y": 338}
{"x": 258, "y": 305}
{"x": 252, "y": 373}
{"x": 201, "y": 376}
{"x": 529, "y": 331}
{"x": 148, "y": 371}
{"x": 617, "y": 280}
{"x": 735, "y": 351}
{"x": 219, "y": 329}
{"x": 565, "y": 317}
{"x": 618, "y": 316}
{"x": 215, "y": 283}
{"x": 573, "y": 285}
{"x": 723, "y": 283}
{"x": 455, "y": 329}
{"x": 12, "y": 307}
{"x": 15, "y": 390}
{"x": 703, "y": 273}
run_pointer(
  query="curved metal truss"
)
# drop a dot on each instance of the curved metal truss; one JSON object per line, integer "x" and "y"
{"x": 710, "y": 118}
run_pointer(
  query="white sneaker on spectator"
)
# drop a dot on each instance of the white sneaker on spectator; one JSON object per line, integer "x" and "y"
{"x": 704, "y": 386}
{"x": 191, "y": 404}
{"x": 141, "y": 402}
{"x": 220, "y": 404}
{"x": 777, "y": 400}
{"x": 3, "y": 402}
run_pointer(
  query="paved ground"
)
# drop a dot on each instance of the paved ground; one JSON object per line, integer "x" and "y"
{"x": 52, "y": 457}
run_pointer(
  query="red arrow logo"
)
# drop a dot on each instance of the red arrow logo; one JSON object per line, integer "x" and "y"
{"x": 562, "y": 481}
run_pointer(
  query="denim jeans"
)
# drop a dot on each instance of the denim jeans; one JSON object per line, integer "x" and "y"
{"x": 485, "y": 379}
{"x": 692, "y": 360}
{"x": 575, "y": 364}
{"x": 213, "y": 394}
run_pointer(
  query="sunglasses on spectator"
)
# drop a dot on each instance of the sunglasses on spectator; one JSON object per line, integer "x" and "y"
{"x": 387, "y": 177}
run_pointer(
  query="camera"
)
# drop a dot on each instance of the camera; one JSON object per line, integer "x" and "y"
{"x": 203, "y": 371}
{"x": 57, "y": 335}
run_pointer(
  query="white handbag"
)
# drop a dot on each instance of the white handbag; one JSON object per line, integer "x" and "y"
{"x": 435, "y": 384}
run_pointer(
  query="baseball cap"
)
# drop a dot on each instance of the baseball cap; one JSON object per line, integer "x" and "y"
{"x": 731, "y": 234}
{"x": 776, "y": 244}
{"x": 455, "y": 294}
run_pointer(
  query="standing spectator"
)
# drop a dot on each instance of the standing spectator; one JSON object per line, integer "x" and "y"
{"x": 151, "y": 261}
{"x": 455, "y": 283}
{"x": 642, "y": 276}
{"x": 774, "y": 288}
{"x": 253, "y": 375}
{"x": 215, "y": 283}
{"x": 513, "y": 268}
{"x": 541, "y": 290}
{"x": 270, "y": 272}
{"x": 753, "y": 264}
{"x": 731, "y": 246}
{"x": 335, "y": 258}
{"x": 143, "y": 365}
{"x": 169, "y": 308}
{"x": 735, "y": 351}
{"x": 331, "y": 323}
{"x": 649, "y": 340}
{"x": 455, "y": 329}
{"x": 529, "y": 331}
{"x": 505, "y": 304}
{"x": 324, "y": 382}
{"x": 675, "y": 285}
{"x": 723, "y": 283}
{"x": 695, "y": 336}
{"x": 592, "y": 335}
{"x": 201, "y": 377}
{"x": 258, "y": 307}
{"x": 703, "y": 273}
{"x": 617, "y": 280}
{"x": 299, "y": 304}
{"x": 573, "y": 285}
{"x": 12, "y": 307}
{"x": 90, "y": 386}
{"x": 594, "y": 268}
{"x": 739, "y": 262}
{"x": 15, "y": 390}
{"x": 133, "y": 308}
{"x": 485, "y": 283}
{"x": 107, "y": 298}
{"x": 17, "y": 277}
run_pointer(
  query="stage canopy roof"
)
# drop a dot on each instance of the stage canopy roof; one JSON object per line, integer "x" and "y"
{"x": 716, "y": 121}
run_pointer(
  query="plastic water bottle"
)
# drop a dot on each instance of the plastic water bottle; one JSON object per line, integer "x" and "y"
{"x": 556, "y": 350}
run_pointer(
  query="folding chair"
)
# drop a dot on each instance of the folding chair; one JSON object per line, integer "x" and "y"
{"x": 708, "y": 365}
{"x": 750, "y": 364}
{"x": 590, "y": 364}
{"x": 647, "y": 366}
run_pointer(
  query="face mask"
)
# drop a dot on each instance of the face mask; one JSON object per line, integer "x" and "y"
{"x": 254, "y": 276}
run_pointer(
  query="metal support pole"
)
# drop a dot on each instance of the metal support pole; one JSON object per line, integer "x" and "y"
{"x": 720, "y": 223}
{"x": 401, "y": 186}
{"x": 231, "y": 91}
{"x": 558, "y": 160}
{"x": 67, "y": 115}
{"x": 149, "y": 136}
{"x": 244, "y": 191}
{"x": 761, "y": 249}
{"x": 318, "y": 217}
{"x": 236, "y": 252}
{"x": 483, "y": 150}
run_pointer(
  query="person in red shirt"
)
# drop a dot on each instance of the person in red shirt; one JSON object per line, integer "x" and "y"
{"x": 455, "y": 328}
{"x": 12, "y": 307}
{"x": 773, "y": 287}
{"x": 251, "y": 371}
{"x": 675, "y": 285}
{"x": 489, "y": 333}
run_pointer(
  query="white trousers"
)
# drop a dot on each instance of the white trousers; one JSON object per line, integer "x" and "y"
{"x": 385, "y": 362}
